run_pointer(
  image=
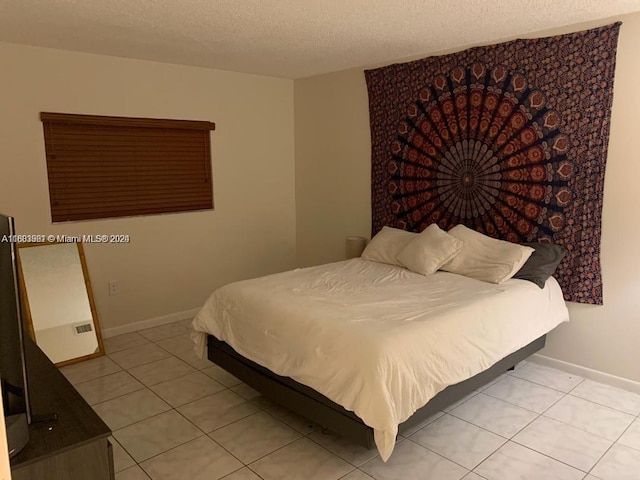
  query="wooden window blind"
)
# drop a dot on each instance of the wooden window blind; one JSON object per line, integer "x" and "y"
{"x": 102, "y": 167}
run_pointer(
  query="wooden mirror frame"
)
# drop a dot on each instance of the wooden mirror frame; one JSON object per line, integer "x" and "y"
{"x": 26, "y": 311}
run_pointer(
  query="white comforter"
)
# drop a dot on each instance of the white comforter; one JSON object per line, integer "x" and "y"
{"x": 377, "y": 339}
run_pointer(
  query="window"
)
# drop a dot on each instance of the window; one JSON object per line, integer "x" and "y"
{"x": 102, "y": 167}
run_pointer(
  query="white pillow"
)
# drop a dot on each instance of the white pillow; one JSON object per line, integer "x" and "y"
{"x": 485, "y": 258}
{"x": 429, "y": 250}
{"x": 385, "y": 246}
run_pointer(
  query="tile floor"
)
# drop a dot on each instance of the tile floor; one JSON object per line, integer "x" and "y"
{"x": 175, "y": 416}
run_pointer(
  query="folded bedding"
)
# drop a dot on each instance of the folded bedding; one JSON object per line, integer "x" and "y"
{"x": 378, "y": 339}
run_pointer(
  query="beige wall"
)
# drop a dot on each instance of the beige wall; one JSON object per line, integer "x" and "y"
{"x": 333, "y": 200}
{"x": 173, "y": 261}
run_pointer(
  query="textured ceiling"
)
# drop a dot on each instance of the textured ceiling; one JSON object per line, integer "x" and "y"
{"x": 285, "y": 38}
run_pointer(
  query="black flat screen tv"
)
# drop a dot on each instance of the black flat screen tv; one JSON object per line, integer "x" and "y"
{"x": 13, "y": 369}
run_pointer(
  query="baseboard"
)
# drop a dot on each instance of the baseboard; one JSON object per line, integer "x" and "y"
{"x": 596, "y": 375}
{"x": 149, "y": 323}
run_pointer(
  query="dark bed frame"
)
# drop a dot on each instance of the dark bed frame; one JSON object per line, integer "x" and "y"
{"x": 314, "y": 406}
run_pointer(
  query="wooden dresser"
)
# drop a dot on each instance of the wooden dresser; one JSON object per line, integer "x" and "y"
{"x": 73, "y": 447}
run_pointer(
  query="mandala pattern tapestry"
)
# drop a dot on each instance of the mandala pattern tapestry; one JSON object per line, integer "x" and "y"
{"x": 510, "y": 140}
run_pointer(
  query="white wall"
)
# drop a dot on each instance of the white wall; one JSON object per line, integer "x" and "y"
{"x": 333, "y": 175}
{"x": 173, "y": 261}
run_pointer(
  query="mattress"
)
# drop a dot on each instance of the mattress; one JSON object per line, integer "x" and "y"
{"x": 377, "y": 339}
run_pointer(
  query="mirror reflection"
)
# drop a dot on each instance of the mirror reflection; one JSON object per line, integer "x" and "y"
{"x": 58, "y": 304}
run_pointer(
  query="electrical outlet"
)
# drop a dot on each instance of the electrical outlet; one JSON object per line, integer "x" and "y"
{"x": 114, "y": 287}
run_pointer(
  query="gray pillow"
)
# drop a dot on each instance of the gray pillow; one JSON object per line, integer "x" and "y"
{"x": 542, "y": 263}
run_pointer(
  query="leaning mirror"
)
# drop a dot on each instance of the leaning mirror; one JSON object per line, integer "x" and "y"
{"x": 59, "y": 311}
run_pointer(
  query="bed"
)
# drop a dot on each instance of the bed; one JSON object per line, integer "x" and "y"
{"x": 368, "y": 349}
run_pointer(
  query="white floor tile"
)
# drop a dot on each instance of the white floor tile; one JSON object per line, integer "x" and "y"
{"x": 458, "y": 441}
{"x": 156, "y": 435}
{"x": 156, "y": 334}
{"x": 130, "y": 408}
{"x": 121, "y": 459}
{"x": 177, "y": 344}
{"x": 133, "y": 357}
{"x": 495, "y": 380}
{"x": 631, "y": 437}
{"x": 132, "y": 473}
{"x": 461, "y": 401}
{"x": 410, "y": 431}
{"x": 548, "y": 377}
{"x": 472, "y": 476}
{"x": 187, "y": 322}
{"x": 302, "y": 459}
{"x": 254, "y": 437}
{"x": 520, "y": 365}
{"x": 590, "y": 417}
{"x": 108, "y": 387}
{"x": 263, "y": 402}
{"x": 515, "y": 462}
{"x": 123, "y": 342}
{"x": 89, "y": 369}
{"x": 494, "y": 415}
{"x": 245, "y": 391}
{"x": 357, "y": 475}
{"x": 199, "y": 459}
{"x": 353, "y": 453}
{"x": 608, "y": 396}
{"x": 217, "y": 410}
{"x": 410, "y": 460}
{"x": 222, "y": 376}
{"x": 187, "y": 389}
{"x": 574, "y": 433}
{"x": 161, "y": 371}
{"x": 295, "y": 421}
{"x": 619, "y": 463}
{"x": 563, "y": 442}
{"x": 192, "y": 359}
{"x": 242, "y": 474}
{"x": 524, "y": 394}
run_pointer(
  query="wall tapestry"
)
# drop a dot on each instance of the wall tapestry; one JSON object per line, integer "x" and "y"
{"x": 509, "y": 139}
